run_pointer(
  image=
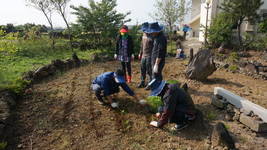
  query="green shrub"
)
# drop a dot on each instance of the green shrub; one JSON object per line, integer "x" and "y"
{"x": 233, "y": 68}
{"x": 233, "y": 57}
{"x": 263, "y": 26}
{"x": 173, "y": 81}
{"x": 211, "y": 115}
{"x": 154, "y": 102}
{"x": 259, "y": 42}
{"x": 220, "y": 30}
{"x": 3, "y": 145}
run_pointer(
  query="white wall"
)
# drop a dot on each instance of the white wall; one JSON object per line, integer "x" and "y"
{"x": 195, "y": 8}
{"x": 264, "y": 6}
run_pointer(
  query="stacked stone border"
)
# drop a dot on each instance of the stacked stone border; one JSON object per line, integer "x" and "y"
{"x": 240, "y": 109}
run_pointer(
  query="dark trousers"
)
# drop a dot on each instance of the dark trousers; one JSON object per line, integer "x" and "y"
{"x": 158, "y": 75}
{"x": 99, "y": 92}
{"x": 127, "y": 65}
{"x": 146, "y": 68}
{"x": 184, "y": 35}
{"x": 178, "y": 118}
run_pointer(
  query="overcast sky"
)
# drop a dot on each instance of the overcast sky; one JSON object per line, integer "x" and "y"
{"x": 16, "y": 12}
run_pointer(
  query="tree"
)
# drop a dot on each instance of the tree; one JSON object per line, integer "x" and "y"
{"x": 170, "y": 12}
{"x": 220, "y": 30}
{"x": 242, "y": 10}
{"x": 46, "y": 7}
{"x": 60, "y": 6}
{"x": 100, "y": 18}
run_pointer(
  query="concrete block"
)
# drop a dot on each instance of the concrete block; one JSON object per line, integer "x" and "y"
{"x": 220, "y": 103}
{"x": 253, "y": 124}
{"x": 242, "y": 103}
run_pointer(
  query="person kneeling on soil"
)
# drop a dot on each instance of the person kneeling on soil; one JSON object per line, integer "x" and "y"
{"x": 178, "y": 106}
{"x": 180, "y": 54}
{"x": 108, "y": 84}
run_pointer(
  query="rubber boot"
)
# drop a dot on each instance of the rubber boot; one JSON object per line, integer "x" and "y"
{"x": 129, "y": 79}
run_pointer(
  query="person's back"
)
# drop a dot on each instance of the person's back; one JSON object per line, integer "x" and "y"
{"x": 159, "y": 47}
{"x": 146, "y": 45}
{"x": 184, "y": 102}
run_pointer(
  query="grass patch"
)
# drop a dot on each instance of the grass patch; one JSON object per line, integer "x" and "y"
{"x": 233, "y": 57}
{"x": 171, "y": 47}
{"x": 233, "y": 68}
{"x": 30, "y": 55}
{"x": 211, "y": 116}
{"x": 154, "y": 102}
{"x": 3, "y": 145}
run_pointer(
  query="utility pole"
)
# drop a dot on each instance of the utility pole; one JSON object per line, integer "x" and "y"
{"x": 207, "y": 18}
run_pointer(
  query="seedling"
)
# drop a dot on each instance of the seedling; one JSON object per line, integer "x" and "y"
{"x": 173, "y": 81}
{"x": 154, "y": 102}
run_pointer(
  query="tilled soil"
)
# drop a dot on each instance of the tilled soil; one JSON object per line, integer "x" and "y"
{"x": 62, "y": 113}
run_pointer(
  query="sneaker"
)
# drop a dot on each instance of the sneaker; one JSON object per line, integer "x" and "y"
{"x": 179, "y": 127}
{"x": 190, "y": 117}
{"x": 100, "y": 102}
{"x": 114, "y": 105}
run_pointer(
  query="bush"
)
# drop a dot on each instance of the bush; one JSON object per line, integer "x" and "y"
{"x": 233, "y": 57}
{"x": 173, "y": 81}
{"x": 233, "y": 68}
{"x": 154, "y": 102}
{"x": 220, "y": 30}
{"x": 3, "y": 145}
{"x": 263, "y": 26}
{"x": 259, "y": 42}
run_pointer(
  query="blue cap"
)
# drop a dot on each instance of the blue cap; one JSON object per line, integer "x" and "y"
{"x": 118, "y": 78}
{"x": 154, "y": 27}
{"x": 145, "y": 26}
{"x": 156, "y": 87}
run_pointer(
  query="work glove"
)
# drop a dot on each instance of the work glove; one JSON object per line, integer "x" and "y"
{"x": 139, "y": 56}
{"x": 154, "y": 124}
{"x": 142, "y": 102}
{"x": 115, "y": 56}
{"x": 114, "y": 105}
{"x": 158, "y": 115}
{"x": 156, "y": 68}
{"x": 132, "y": 56}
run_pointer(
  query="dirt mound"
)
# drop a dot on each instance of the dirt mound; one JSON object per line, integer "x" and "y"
{"x": 61, "y": 113}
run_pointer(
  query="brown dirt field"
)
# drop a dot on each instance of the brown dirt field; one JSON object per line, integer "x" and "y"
{"x": 61, "y": 113}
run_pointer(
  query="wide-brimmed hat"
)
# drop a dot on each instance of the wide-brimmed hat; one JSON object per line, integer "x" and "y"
{"x": 119, "y": 76}
{"x": 145, "y": 27}
{"x": 154, "y": 27}
{"x": 124, "y": 29}
{"x": 156, "y": 86}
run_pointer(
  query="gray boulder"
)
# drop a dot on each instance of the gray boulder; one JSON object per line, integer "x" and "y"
{"x": 59, "y": 64}
{"x": 221, "y": 137}
{"x": 44, "y": 72}
{"x": 201, "y": 66}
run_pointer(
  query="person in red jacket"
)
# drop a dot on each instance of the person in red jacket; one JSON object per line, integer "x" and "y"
{"x": 178, "y": 106}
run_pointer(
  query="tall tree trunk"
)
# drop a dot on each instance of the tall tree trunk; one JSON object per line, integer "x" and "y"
{"x": 68, "y": 27}
{"x": 52, "y": 28}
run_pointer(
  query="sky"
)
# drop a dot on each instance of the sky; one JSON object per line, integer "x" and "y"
{"x": 17, "y": 12}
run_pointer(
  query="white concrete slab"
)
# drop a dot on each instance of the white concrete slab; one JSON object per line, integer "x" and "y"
{"x": 241, "y": 102}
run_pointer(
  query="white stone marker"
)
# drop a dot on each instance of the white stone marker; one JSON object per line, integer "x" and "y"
{"x": 242, "y": 103}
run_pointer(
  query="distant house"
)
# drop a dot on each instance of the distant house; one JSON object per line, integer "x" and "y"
{"x": 199, "y": 17}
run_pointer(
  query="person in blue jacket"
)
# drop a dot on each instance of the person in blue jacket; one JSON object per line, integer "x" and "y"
{"x": 108, "y": 84}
